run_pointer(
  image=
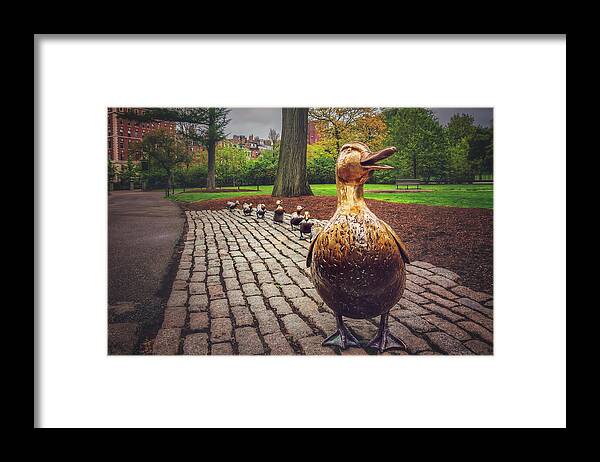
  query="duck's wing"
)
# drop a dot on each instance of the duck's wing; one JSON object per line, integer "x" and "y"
{"x": 399, "y": 242}
{"x": 310, "y": 249}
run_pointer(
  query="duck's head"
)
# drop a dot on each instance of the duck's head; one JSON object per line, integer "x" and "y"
{"x": 237, "y": 202}
{"x": 356, "y": 162}
{"x": 306, "y": 215}
{"x": 299, "y": 208}
{"x": 278, "y": 202}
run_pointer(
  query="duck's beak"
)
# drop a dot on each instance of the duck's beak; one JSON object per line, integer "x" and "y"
{"x": 370, "y": 162}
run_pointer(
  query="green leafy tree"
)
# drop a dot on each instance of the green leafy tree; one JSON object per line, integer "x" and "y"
{"x": 164, "y": 152}
{"x": 130, "y": 172}
{"x": 458, "y": 166}
{"x": 419, "y": 138}
{"x": 461, "y": 126}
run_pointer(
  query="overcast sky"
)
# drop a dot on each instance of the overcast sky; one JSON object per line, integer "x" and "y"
{"x": 258, "y": 121}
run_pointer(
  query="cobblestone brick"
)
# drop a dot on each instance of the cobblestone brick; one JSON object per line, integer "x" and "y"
{"x": 248, "y": 341}
{"x": 280, "y": 306}
{"x": 418, "y": 299}
{"x": 256, "y": 303}
{"x": 472, "y": 294}
{"x": 174, "y": 317}
{"x": 305, "y": 305}
{"x": 422, "y": 264}
{"x": 313, "y": 346}
{"x": 196, "y": 344}
{"x": 215, "y": 292}
{"x": 235, "y": 297}
{"x": 439, "y": 300}
{"x": 221, "y": 349}
{"x": 198, "y": 277}
{"x": 478, "y": 347}
{"x": 270, "y": 290}
{"x": 476, "y": 306}
{"x": 446, "y": 273}
{"x": 166, "y": 342}
{"x": 219, "y": 308}
{"x": 198, "y": 321}
{"x": 282, "y": 279}
{"x": 447, "y": 344}
{"x": 448, "y": 327}
{"x": 442, "y": 281}
{"x": 413, "y": 343}
{"x": 242, "y": 316}
{"x": 197, "y": 288}
{"x": 296, "y": 327}
{"x": 278, "y": 344}
{"x": 264, "y": 276}
{"x": 245, "y": 277}
{"x": 250, "y": 289}
{"x": 443, "y": 312}
{"x": 417, "y": 324}
{"x": 444, "y": 293}
{"x": 417, "y": 279}
{"x": 267, "y": 322}
{"x": 477, "y": 330}
{"x": 418, "y": 271}
{"x": 292, "y": 291}
{"x": 411, "y": 306}
{"x": 220, "y": 330}
{"x": 198, "y": 303}
{"x": 178, "y": 298}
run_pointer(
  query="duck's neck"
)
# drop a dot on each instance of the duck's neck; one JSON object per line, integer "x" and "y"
{"x": 350, "y": 197}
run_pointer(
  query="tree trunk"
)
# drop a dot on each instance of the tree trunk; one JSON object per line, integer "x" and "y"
{"x": 211, "y": 176}
{"x": 291, "y": 178}
{"x": 414, "y": 159}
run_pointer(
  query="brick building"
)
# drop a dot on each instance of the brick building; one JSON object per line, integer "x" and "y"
{"x": 313, "y": 133}
{"x": 122, "y": 131}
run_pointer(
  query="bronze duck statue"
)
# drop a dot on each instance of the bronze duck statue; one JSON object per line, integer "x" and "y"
{"x": 261, "y": 209}
{"x": 231, "y": 205}
{"x": 357, "y": 262}
{"x": 278, "y": 212}
{"x": 296, "y": 217}
{"x": 247, "y": 208}
{"x": 305, "y": 226}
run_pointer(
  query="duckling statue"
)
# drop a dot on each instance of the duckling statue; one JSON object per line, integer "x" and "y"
{"x": 231, "y": 205}
{"x": 296, "y": 217}
{"x": 305, "y": 226}
{"x": 357, "y": 262}
{"x": 247, "y": 208}
{"x": 278, "y": 212}
{"x": 261, "y": 209}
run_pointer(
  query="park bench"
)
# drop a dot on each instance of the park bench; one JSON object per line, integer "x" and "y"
{"x": 408, "y": 182}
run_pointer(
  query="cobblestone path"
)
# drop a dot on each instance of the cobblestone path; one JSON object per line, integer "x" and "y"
{"x": 243, "y": 288}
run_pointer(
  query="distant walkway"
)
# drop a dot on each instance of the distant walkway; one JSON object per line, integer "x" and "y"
{"x": 143, "y": 229}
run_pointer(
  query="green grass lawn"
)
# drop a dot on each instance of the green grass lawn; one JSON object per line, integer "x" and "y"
{"x": 463, "y": 195}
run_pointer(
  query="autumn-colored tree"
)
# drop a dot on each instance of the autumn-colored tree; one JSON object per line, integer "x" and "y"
{"x": 339, "y": 125}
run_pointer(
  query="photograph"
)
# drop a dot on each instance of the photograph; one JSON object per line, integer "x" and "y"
{"x": 259, "y": 231}
{"x": 300, "y": 231}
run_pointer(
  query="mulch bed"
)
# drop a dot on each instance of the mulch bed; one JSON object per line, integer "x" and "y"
{"x": 460, "y": 239}
{"x": 203, "y": 190}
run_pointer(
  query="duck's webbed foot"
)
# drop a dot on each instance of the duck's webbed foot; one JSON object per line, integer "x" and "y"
{"x": 384, "y": 340}
{"x": 342, "y": 338}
